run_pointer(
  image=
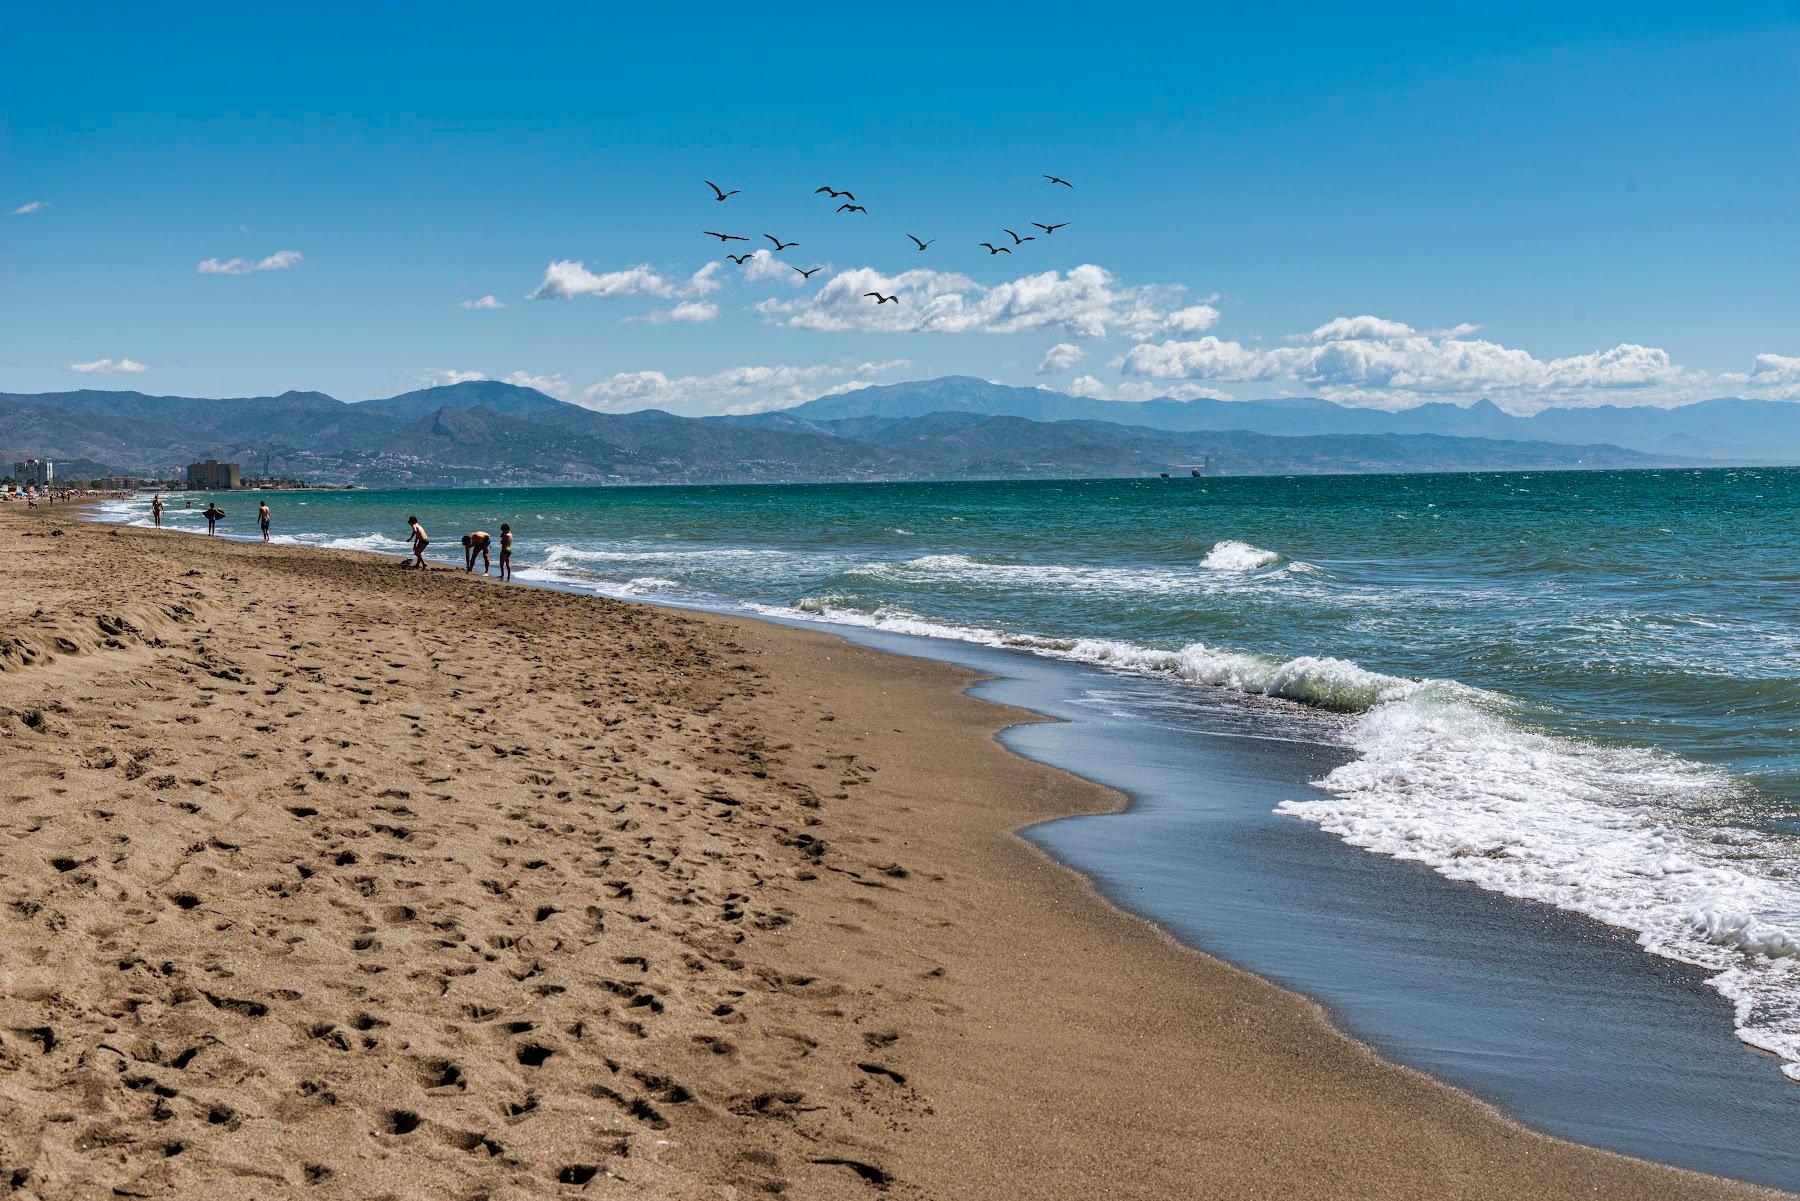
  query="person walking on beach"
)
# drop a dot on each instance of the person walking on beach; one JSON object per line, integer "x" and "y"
{"x": 476, "y": 543}
{"x": 262, "y": 518}
{"x": 505, "y": 552}
{"x": 156, "y": 509}
{"x": 420, "y": 540}
{"x": 212, "y": 514}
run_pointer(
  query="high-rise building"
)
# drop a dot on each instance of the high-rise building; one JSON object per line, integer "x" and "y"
{"x": 212, "y": 475}
{"x": 34, "y": 473}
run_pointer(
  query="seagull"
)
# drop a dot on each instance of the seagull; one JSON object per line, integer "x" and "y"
{"x": 1017, "y": 240}
{"x": 808, "y": 274}
{"x": 919, "y": 244}
{"x": 1049, "y": 229}
{"x": 779, "y": 244}
{"x": 834, "y": 193}
{"x": 993, "y": 249}
{"x": 720, "y": 194}
{"x": 1058, "y": 179}
{"x": 723, "y": 237}
{"x": 880, "y": 299}
{"x": 852, "y": 208}
{"x": 740, "y": 259}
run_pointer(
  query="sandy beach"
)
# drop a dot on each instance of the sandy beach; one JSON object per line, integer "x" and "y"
{"x": 323, "y": 878}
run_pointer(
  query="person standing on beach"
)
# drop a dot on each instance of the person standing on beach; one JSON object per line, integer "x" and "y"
{"x": 262, "y": 518}
{"x": 505, "y": 552}
{"x": 420, "y": 540}
{"x": 212, "y": 514}
{"x": 476, "y": 543}
{"x": 156, "y": 509}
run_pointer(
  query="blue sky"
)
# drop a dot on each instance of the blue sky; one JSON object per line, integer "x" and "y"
{"x": 1550, "y": 204}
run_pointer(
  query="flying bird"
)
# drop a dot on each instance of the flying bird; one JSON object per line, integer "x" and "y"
{"x": 993, "y": 249}
{"x": 808, "y": 274}
{"x": 1049, "y": 229}
{"x": 740, "y": 259}
{"x": 1058, "y": 179}
{"x": 919, "y": 244}
{"x": 779, "y": 244}
{"x": 880, "y": 299}
{"x": 851, "y": 208}
{"x": 723, "y": 237}
{"x": 720, "y": 194}
{"x": 834, "y": 193}
{"x": 1017, "y": 240}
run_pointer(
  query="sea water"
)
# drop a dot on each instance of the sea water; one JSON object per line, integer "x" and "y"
{"x": 1581, "y": 689}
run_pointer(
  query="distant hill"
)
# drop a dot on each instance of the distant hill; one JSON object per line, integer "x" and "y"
{"x": 1726, "y": 428}
{"x": 486, "y": 432}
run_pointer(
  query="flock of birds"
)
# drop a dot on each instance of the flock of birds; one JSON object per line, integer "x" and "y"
{"x": 850, "y": 205}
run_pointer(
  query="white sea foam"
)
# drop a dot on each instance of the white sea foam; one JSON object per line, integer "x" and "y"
{"x": 1232, "y": 555}
{"x": 1446, "y": 775}
{"x": 1609, "y": 832}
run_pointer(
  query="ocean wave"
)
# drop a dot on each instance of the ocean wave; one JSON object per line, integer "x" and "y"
{"x": 1608, "y": 832}
{"x": 1446, "y": 774}
{"x": 562, "y": 554}
{"x": 1232, "y": 555}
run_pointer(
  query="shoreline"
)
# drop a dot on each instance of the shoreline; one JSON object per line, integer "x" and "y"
{"x": 1054, "y": 1038}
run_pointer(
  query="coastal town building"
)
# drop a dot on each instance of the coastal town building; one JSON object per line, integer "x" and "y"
{"x": 213, "y": 475}
{"x": 34, "y": 473}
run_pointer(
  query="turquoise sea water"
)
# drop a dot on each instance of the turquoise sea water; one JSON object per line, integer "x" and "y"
{"x": 1578, "y": 688}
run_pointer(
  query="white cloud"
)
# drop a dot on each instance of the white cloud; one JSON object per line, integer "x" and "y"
{"x": 110, "y": 367}
{"x": 1195, "y": 319}
{"x": 1374, "y": 361}
{"x": 705, "y": 281}
{"x": 749, "y": 389}
{"x": 281, "y": 260}
{"x": 484, "y": 302}
{"x": 551, "y": 385}
{"x": 29, "y": 207}
{"x": 763, "y": 267}
{"x": 566, "y": 279}
{"x": 690, "y": 312}
{"x": 1060, "y": 358}
{"x": 1136, "y": 390}
{"x": 1085, "y": 302}
{"x": 437, "y": 377}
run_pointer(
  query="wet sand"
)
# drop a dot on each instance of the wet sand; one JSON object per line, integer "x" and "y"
{"x": 323, "y": 878}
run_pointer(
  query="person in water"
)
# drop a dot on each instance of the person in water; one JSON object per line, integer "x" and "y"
{"x": 262, "y": 518}
{"x": 212, "y": 514}
{"x": 156, "y": 509}
{"x": 476, "y": 543}
{"x": 420, "y": 540}
{"x": 505, "y": 553}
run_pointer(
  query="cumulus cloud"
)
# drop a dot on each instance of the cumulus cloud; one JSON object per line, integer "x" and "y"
{"x": 1371, "y": 360}
{"x": 763, "y": 267}
{"x": 690, "y": 312}
{"x": 29, "y": 207}
{"x": 1195, "y": 319}
{"x": 1060, "y": 358}
{"x": 1138, "y": 390}
{"x": 551, "y": 385}
{"x": 566, "y": 279}
{"x": 484, "y": 302}
{"x": 281, "y": 260}
{"x": 1085, "y": 302}
{"x": 437, "y": 377}
{"x": 748, "y": 389}
{"x": 110, "y": 367}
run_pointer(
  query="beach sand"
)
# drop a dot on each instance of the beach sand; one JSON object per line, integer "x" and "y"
{"x": 323, "y": 878}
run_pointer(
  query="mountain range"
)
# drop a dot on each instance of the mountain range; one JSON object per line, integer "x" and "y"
{"x": 488, "y": 432}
